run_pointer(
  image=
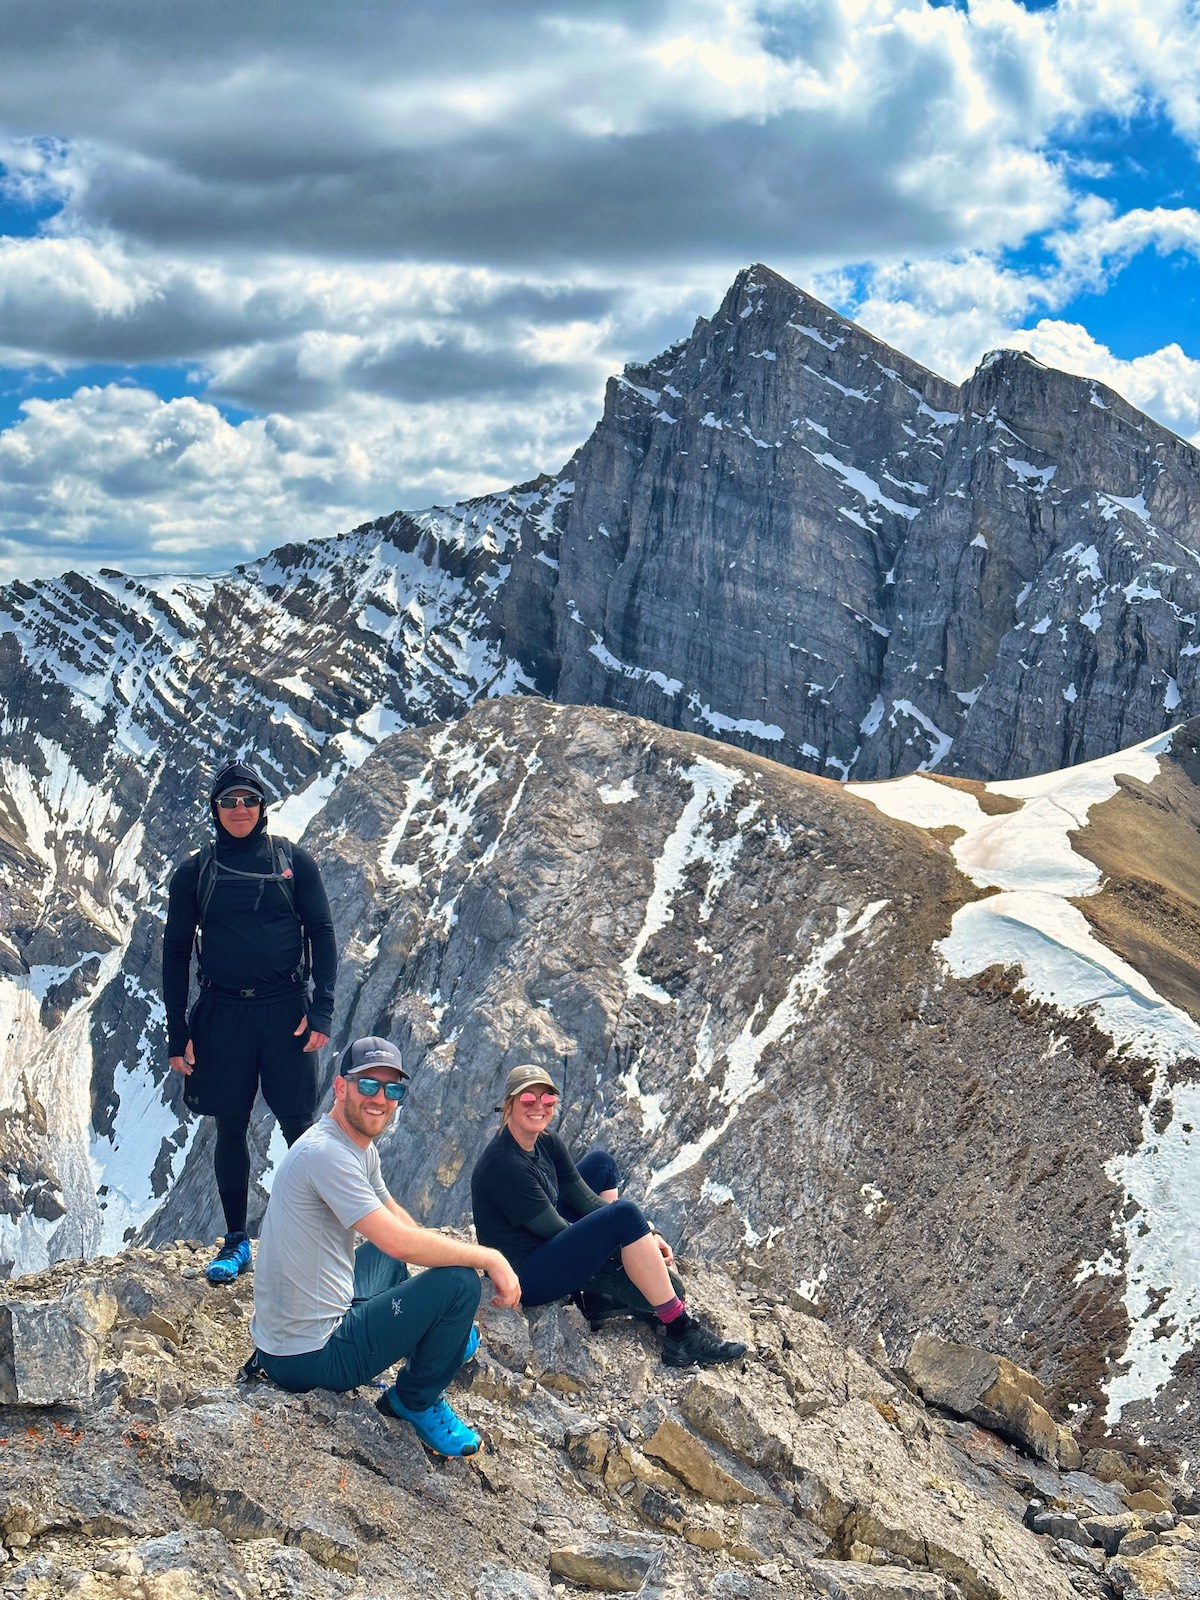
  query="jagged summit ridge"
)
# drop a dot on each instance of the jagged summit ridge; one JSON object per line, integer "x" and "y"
{"x": 783, "y": 533}
{"x": 824, "y": 551}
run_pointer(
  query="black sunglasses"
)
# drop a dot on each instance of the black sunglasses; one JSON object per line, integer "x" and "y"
{"x": 230, "y": 802}
{"x": 370, "y": 1087}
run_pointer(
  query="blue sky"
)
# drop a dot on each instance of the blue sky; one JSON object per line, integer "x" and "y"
{"x": 265, "y": 275}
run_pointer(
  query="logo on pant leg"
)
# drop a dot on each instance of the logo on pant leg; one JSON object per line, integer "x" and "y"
{"x": 397, "y": 1306}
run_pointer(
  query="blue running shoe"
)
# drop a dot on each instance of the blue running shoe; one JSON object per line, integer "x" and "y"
{"x": 232, "y": 1258}
{"x": 472, "y": 1343}
{"x": 437, "y": 1427}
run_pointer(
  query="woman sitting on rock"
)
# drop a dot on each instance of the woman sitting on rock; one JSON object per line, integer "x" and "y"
{"x": 532, "y": 1204}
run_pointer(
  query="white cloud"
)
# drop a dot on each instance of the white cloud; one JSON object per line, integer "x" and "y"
{"x": 1100, "y": 242}
{"x": 169, "y": 485}
{"x": 1118, "y": 55}
{"x": 429, "y": 235}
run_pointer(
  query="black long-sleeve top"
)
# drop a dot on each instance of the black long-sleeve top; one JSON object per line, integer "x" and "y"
{"x": 515, "y": 1194}
{"x": 251, "y": 939}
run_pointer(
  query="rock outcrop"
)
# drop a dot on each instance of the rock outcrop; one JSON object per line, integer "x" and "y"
{"x": 993, "y": 1392}
{"x": 809, "y": 1472}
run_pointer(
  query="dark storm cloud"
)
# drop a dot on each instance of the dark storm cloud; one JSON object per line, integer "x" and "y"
{"x": 415, "y": 372}
{"x": 181, "y": 324}
{"x": 477, "y": 133}
{"x": 282, "y": 378}
{"x": 186, "y": 317}
{"x": 670, "y": 195}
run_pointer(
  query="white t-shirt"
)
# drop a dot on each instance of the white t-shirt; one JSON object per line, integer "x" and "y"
{"x": 304, "y": 1267}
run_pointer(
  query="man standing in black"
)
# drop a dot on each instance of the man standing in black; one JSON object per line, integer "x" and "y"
{"x": 260, "y": 908}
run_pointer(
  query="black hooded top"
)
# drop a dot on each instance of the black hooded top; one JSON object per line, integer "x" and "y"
{"x": 252, "y": 938}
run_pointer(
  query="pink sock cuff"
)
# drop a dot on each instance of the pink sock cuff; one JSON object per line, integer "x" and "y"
{"x": 670, "y": 1309}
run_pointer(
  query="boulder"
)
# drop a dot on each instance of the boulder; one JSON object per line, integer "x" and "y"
{"x": 49, "y": 1348}
{"x": 504, "y": 1335}
{"x": 1150, "y": 1502}
{"x": 854, "y": 1580}
{"x": 755, "y": 1433}
{"x": 1109, "y": 1531}
{"x": 992, "y": 1391}
{"x": 694, "y": 1464}
{"x": 612, "y": 1565}
{"x": 1159, "y": 1574}
{"x": 1136, "y": 1542}
{"x": 561, "y": 1357}
{"x": 1100, "y": 1498}
{"x": 1061, "y": 1525}
{"x": 507, "y": 1583}
{"x": 1080, "y": 1555}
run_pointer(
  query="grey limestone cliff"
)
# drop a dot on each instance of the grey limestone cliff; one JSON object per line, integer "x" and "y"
{"x": 789, "y": 536}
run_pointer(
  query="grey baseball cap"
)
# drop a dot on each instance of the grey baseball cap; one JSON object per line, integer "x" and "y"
{"x": 368, "y": 1055}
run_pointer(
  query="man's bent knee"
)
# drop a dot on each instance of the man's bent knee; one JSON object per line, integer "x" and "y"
{"x": 460, "y": 1284}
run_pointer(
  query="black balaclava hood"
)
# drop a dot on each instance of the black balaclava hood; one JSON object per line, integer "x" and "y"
{"x": 238, "y": 775}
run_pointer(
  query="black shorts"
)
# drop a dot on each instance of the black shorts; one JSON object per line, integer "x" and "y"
{"x": 242, "y": 1044}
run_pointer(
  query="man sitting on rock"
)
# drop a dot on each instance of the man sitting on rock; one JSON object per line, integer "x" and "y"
{"x": 327, "y": 1316}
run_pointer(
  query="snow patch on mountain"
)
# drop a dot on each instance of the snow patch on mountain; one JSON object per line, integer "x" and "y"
{"x": 1027, "y": 856}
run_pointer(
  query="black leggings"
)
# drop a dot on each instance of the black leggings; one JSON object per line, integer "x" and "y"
{"x": 566, "y": 1262}
{"x": 231, "y": 1163}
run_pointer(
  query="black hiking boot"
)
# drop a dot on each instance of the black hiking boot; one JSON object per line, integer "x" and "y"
{"x": 698, "y": 1346}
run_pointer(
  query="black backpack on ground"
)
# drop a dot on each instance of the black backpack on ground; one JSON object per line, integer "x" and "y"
{"x": 611, "y": 1292}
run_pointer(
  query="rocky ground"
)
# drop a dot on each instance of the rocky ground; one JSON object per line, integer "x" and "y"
{"x": 136, "y": 1466}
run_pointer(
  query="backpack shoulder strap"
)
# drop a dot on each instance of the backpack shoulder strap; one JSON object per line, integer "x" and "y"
{"x": 206, "y": 878}
{"x": 281, "y": 860}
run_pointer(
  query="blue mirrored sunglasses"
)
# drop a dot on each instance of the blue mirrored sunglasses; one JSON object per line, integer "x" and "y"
{"x": 370, "y": 1087}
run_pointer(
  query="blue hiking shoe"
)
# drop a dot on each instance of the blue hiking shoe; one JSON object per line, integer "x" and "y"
{"x": 232, "y": 1258}
{"x": 437, "y": 1427}
{"x": 472, "y": 1343}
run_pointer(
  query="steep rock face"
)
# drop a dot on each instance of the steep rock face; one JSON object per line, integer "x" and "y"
{"x": 787, "y": 535}
{"x": 1045, "y": 606}
{"x": 728, "y": 550}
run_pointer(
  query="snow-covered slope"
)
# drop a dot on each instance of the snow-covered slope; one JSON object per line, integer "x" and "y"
{"x": 1032, "y": 858}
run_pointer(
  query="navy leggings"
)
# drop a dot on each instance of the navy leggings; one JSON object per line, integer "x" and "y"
{"x": 566, "y": 1262}
{"x": 426, "y": 1319}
